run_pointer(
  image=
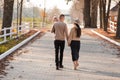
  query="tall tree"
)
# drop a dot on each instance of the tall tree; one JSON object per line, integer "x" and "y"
{"x": 101, "y": 13}
{"x": 107, "y": 15}
{"x": 21, "y": 9}
{"x": 118, "y": 23}
{"x": 103, "y": 16}
{"x": 104, "y": 13}
{"x": 8, "y": 13}
{"x": 94, "y": 12}
{"x": 87, "y": 18}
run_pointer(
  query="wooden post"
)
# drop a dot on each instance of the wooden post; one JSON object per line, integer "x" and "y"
{"x": 5, "y": 32}
{"x": 10, "y": 32}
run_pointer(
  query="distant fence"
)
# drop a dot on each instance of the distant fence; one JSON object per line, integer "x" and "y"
{"x": 112, "y": 26}
{"x": 14, "y": 32}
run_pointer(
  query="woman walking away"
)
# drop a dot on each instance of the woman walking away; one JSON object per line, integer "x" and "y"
{"x": 55, "y": 19}
{"x": 74, "y": 43}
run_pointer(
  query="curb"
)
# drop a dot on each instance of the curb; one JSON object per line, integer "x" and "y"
{"x": 5, "y": 54}
{"x": 106, "y": 38}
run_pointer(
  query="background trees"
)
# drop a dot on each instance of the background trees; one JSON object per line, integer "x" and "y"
{"x": 104, "y": 14}
{"x": 90, "y": 13}
{"x": 53, "y": 12}
{"x": 76, "y": 11}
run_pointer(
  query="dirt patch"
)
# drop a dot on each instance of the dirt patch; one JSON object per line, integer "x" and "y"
{"x": 108, "y": 34}
{"x": 45, "y": 29}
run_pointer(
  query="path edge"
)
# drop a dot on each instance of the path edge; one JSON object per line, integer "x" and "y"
{"x": 5, "y": 54}
{"x": 106, "y": 38}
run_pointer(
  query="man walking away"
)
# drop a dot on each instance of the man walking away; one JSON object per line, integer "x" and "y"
{"x": 60, "y": 31}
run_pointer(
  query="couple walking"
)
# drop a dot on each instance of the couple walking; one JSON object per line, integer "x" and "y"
{"x": 61, "y": 32}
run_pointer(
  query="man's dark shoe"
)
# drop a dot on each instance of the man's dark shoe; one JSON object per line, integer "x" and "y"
{"x": 61, "y": 66}
{"x": 57, "y": 68}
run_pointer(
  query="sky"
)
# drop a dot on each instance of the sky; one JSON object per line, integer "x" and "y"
{"x": 61, "y": 4}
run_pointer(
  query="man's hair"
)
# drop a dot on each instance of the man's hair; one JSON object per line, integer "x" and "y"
{"x": 62, "y": 15}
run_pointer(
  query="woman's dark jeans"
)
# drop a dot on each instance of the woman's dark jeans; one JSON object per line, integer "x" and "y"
{"x": 75, "y": 47}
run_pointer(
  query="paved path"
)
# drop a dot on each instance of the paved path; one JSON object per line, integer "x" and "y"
{"x": 98, "y": 61}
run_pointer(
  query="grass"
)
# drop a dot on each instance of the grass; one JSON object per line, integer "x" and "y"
{"x": 2, "y": 39}
{"x": 6, "y": 46}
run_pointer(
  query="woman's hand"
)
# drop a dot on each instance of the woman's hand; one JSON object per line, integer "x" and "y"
{"x": 68, "y": 44}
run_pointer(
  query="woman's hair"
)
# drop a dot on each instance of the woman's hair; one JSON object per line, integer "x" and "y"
{"x": 55, "y": 19}
{"x": 78, "y": 30}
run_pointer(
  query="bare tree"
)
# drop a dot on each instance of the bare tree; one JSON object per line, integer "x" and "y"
{"x": 53, "y": 12}
{"x": 76, "y": 10}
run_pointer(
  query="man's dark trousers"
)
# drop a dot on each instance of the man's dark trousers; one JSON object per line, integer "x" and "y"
{"x": 59, "y": 48}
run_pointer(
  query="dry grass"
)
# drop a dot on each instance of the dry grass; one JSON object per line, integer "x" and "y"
{"x": 108, "y": 34}
{"x": 6, "y": 46}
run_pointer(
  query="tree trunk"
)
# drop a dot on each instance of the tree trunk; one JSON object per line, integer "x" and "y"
{"x": 118, "y": 24}
{"x": 107, "y": 15}
{"x": 103, "y": 6}
{"x": 8, "y": 13}
{"x": 87, "y": 18}
{"x": 21, "y": 6}
{"x": 94, "y": 11}
{"x": 101, "y": 13}
{"x": 104, "y": 15}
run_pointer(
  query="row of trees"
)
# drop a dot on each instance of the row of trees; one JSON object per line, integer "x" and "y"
{"x": 90, "y": 13}
{"x": 9, "y": 7}
{"x": 8, "y": 13}
{"x": 14, "y": 9}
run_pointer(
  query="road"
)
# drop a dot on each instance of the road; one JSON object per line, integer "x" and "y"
{"x": 98, "y": 61}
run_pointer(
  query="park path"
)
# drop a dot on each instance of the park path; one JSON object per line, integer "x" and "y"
{"x": 98, "y": 61}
